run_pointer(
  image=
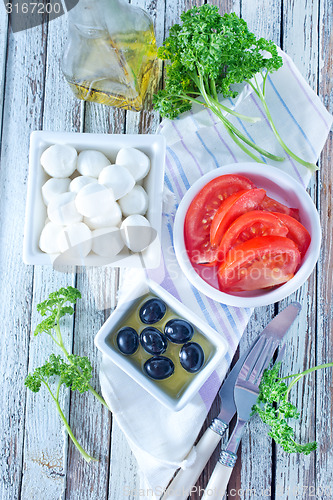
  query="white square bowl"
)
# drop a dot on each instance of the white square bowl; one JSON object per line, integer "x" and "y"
{"x": 152, "y": 145}
{"x": 153, "y": 387}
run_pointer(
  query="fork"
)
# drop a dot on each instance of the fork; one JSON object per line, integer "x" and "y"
{"x": 245, "y": 394}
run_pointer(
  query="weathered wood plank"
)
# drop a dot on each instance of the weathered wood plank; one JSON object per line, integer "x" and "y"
{"x": 295, "y": 473}
{"x": 263, "y": 18}
{"x": 300, "y": 36}
{"x": 3, "y": 58}
{"x": 89, "y": 418}
{"x": 253, "y": 468}
{"x": 21, "y": 113}
{"x": 324, "y": 379}
{"x": 124, "y": 474}
{"x": 45, "y": 442}
{"x": 300, "y": 41}
{"x": 45, "y": 460}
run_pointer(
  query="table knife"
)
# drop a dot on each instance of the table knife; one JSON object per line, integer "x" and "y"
{"x": 181, "y": 485}
{"x": 245, "y": 395}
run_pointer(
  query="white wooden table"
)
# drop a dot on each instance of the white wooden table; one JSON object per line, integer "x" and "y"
{"x": 36, "y": 460}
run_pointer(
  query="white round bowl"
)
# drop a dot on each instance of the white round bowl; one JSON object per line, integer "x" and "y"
{"x": 282, "y": 188}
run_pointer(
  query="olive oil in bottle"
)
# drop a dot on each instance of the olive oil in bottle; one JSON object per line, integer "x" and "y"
{"x": 110, "y": 57}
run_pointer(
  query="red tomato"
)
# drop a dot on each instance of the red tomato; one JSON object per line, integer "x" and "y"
{"x": 271, "y": 205}
{"x": 231, "y": 208}
{"x": 202, "y": 211}
{"x": 250, "y": 225}
{"x": 296, "y": 232}
{"x": 259, "y": 263}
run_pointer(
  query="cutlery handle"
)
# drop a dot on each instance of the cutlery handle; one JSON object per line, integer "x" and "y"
{"x": 219, "y": 480}
{"x": 180, "y": 487}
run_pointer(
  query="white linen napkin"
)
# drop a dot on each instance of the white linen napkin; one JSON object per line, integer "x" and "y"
{"x": 197, "y": 143}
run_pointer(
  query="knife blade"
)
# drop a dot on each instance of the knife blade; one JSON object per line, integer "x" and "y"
{"x": 180, "y": 487}
{"x": 277, "y": 328}
{"x": 245, "y": 395}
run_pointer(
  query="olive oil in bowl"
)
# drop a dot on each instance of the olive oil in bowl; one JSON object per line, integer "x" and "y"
{"x": 176, "y": 384}
{"x": 144, "y": 337}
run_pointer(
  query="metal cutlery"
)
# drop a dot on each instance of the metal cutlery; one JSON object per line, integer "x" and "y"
{"x": 180, "y": 487}
{"x": 245, "y": 395}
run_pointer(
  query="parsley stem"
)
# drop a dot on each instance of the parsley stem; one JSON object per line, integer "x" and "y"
{"x": 85, "y": 455}
{"x": 215, "y": 98}
{"x": 249, "y": 119}
{"x": 311, "y": 166}
{"x": 300, "y": 375}
{"x": 64, "y": 350}
{"x": 210, "y": 102}
{"x": 247, "y": 151}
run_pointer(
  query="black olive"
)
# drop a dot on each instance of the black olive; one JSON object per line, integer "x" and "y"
{"x": 152, "y": 311}
{"x": 127, "y": 340}
{"x": 191, "y": 357}
{"x": 159, "y": 367}
{"x": 153, "y": 341}
{"x": 178, "y": 331}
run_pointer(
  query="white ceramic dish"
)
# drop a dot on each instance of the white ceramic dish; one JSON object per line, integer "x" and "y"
{"x": 116, "y": 320}
{"x": 279, "y": 186}
{"x": 152, "y": 145}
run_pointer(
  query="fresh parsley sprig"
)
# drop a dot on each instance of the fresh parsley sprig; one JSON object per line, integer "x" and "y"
{"x": 56, "y": 372}
{"x": 275, "y": 409}
{"x": 55, "y": 308}
{"x": 75, "y": 372}
{"x": 207, "y": 54}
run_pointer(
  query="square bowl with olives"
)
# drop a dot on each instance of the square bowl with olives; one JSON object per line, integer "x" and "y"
{"x": 161, "y": 344}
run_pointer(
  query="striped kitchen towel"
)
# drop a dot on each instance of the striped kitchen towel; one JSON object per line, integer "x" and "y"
{"x": 197, "y": 143}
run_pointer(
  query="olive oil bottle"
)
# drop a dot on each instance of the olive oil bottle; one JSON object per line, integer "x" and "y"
{"x": 110, "y": 57}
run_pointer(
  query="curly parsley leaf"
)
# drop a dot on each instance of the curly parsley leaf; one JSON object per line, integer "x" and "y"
{"x": 56, "y": 372}
{"x": 274, "y": 409}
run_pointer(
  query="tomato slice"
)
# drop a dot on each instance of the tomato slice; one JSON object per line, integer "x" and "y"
{"x": 202, "y": 211}
{"x": 259, "y": 263}
{"x": 271, "y": 205}
{"x": 250, "y": 225}
{"x": 296, "y": 232}
{"x": 231, "y": 208}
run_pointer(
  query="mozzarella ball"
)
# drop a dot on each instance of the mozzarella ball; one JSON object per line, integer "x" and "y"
{"x": 62, "y": 210}
{"x": 136, "y": 162}
{"x": 118, "y": 179}
{"x": 54, "y": 186}
{"x": 59, "y": 160}
{"x": 107, "y": 241}
{"x": 75, "y": 240}
{"x": 94, "y": 199}
{"x": 91, "y": 162}
{"x": 135, "y": 202}
{"x": 109, "y": 219}
{"x": 79, "y": 182}
{"x": 48, "y": 241}
{"x": 136, "y": 232}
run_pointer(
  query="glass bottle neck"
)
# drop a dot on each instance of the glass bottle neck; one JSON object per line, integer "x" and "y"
{"x": 97, "y": 13}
